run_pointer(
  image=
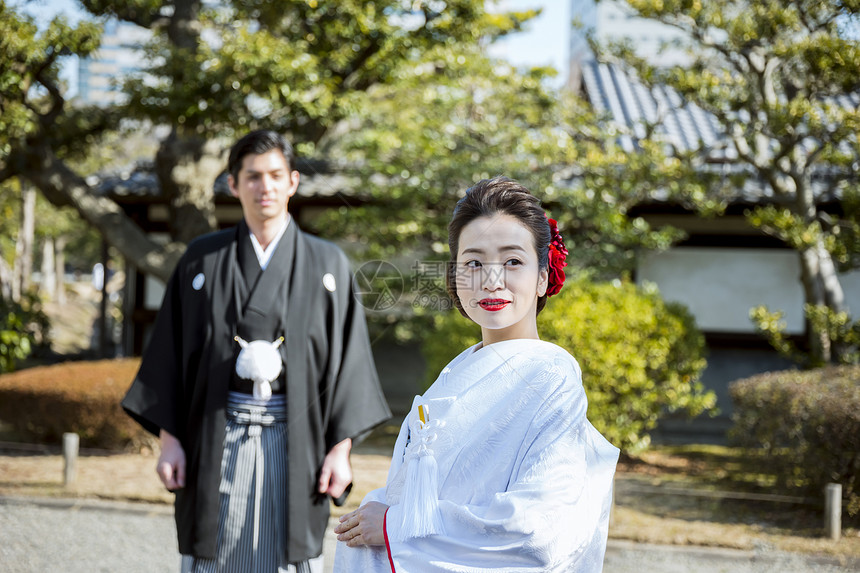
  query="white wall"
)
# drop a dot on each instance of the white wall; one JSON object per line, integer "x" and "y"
{"x": 721, "y": 285}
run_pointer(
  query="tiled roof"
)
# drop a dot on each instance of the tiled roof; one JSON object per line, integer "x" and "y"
{"x": 630, "y": 103}
{"x": 142, "y": 184}
{"x": 685, "y": 125}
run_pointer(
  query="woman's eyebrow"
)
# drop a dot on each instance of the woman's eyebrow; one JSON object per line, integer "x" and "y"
{"x": 505, "y": 248}
{"x": 473, "y": 250}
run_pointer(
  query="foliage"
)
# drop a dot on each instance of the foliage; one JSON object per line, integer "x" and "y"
{"x": 781, "y": 79}
{"x": 402, "y": 90}
{"x": 214, "y": 71}
{"x": 603, "y": 182}
{"x": 450, "y": 333}
{"x": 292, "y": 65}
{"x": 452, "y": 118}
{"x": 23, "y": 328}
{"x": 10, "y": 208}
{"x": 29, "y": 79}
{"x": 640, "y": 356}
{"x": 44, "y": 402}
{"x": 457, "y": 116}
{"x": 843, "y": 333}
{"x": 806, "y": 424}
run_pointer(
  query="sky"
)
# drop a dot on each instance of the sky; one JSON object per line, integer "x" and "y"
{"x": 546, "y": 38}
{"x": 543, "y": 43}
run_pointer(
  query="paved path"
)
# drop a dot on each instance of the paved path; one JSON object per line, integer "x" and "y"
{"x": 627, "y": 557}
{"x": 85, "y": 536}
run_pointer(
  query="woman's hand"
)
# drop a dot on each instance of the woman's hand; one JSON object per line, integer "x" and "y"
{"x": 364, "y": 526}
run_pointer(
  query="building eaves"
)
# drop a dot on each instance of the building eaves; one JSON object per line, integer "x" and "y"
{"x": 142, "y": 186}
{"x": 687, "y": 127}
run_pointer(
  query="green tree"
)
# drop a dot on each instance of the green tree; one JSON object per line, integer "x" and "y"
{"x": 781, "y": 78}
{"x": 9, "y": 217}
{"x": 460, "y": 116}
{"x": 403, "y": 90}
{"x": 297, "y": 66}
{"x": 24, "y": 328}
{"x": 456, "y": 116}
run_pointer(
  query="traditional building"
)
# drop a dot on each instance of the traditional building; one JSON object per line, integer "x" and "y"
{"x": 724, "y": 267}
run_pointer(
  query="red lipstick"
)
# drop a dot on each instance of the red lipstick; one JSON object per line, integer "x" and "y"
{"x": 493, "y": 304}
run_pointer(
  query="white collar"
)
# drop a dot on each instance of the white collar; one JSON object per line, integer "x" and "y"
{"x": 265, "y": 255}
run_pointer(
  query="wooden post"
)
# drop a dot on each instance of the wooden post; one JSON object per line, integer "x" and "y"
{"x": 833, "y": 511}
{"x": 71, "y": 443}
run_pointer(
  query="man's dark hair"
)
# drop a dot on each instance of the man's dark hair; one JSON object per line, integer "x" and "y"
{"x": 256, "y": 143}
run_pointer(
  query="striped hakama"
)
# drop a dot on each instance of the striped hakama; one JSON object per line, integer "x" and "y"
{"x": 252, "y": 533}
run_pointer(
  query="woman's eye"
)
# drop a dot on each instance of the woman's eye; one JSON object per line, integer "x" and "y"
{"x": 473, "y": 264}
{"x": 514, "y": 262}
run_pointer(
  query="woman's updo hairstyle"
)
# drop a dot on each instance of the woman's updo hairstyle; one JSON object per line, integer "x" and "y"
{"x": 497, "y": 196}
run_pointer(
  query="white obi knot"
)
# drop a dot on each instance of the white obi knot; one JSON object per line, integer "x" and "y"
{"x": 419, "y": 501}
{"x": 421, "y": 438}
{"x": 260, "y": 362}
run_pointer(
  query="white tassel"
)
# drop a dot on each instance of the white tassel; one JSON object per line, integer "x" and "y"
{"x": 260, "y": 362}
{"x": 419, "y": 502}
{"x": 262, "y": 390}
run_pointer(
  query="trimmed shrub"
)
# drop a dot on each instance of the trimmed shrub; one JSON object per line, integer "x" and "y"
{"x": 806, "y": 425}
{"x": 640, "y": 356}
{"x": 42, "y": 403}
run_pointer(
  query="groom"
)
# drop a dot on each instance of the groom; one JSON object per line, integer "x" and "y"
{"x": 253, "y": 475}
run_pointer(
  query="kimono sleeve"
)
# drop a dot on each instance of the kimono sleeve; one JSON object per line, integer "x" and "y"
{"x": 358, "y": 404}
{"x": 553, "y": 516}
{"x": 152, "y": 400}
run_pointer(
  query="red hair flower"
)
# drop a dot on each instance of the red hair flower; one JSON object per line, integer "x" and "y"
{"x": 557, "y": 259}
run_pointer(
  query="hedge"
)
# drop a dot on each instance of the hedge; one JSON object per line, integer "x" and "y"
{"x": 42, "y": 403}
{"x": 640, "y": 356}
{"x": 806, "y": 425}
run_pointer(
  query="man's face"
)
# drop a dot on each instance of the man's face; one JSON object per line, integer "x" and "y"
{"x": 264, "y": 186}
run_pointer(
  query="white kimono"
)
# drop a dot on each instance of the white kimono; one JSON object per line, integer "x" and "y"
{"x": 524, "y": 480}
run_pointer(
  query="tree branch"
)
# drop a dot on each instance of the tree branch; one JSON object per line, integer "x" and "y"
{"x": 125, "y": 11}
{"x": 7, "y": 172}
{"x": 356, "y": 65}
{"x": 57, "y": 99}
{"x": 61, "y": 186}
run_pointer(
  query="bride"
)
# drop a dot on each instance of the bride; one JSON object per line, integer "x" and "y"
{"x": 496, "y": 466}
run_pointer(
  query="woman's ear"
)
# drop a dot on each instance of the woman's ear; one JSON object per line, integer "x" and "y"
{"x": 543, "y": 282}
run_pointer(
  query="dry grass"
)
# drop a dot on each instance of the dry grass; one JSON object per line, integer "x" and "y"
{"x": 633, "y": 524}
{"x": 127, "y": 477}
{"x": 686, "y": 495}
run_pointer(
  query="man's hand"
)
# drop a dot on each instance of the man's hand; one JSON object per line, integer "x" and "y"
{"x": 171, "y": 463}
{"x": 336, "y": 473}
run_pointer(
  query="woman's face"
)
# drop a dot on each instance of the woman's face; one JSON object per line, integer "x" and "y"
{"x": 498, "y": 280}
